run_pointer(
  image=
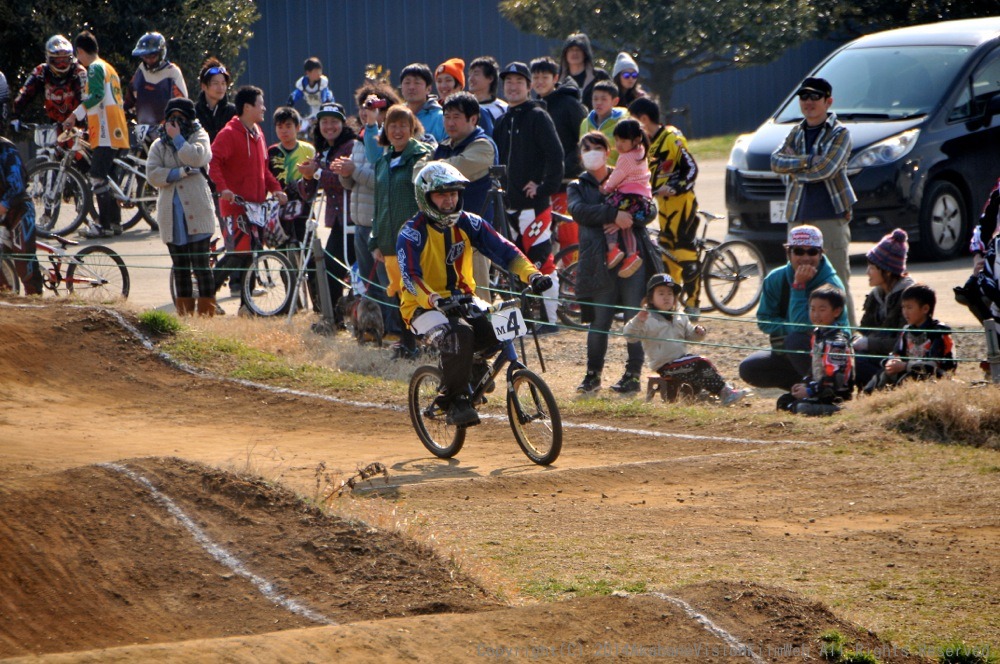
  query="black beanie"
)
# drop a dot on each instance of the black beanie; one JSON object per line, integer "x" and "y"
{"x": 180, "y": 105}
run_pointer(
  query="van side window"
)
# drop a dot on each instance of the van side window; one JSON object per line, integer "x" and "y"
{"x": 985, "y": 85}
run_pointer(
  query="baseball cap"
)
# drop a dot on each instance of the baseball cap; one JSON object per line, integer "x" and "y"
{"x": 331, "y": 111}
{"x": 518, "y": 68}
{"x": 662, "y": 279}
{"x": 805, "y": 236}
{"x": 812, "y": 84}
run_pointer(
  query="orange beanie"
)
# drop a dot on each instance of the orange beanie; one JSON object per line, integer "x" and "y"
{"x": 455, "y": 68}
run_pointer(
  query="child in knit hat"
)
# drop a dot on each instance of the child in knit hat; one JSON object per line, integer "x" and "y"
{"x": 882, "y": 316}
{"x": 449, "y": 77}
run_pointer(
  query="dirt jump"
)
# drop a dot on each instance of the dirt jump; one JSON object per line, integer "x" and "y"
{"x": 151, "y": 512}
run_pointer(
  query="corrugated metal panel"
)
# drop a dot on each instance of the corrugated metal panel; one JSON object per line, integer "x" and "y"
{"x": 346, "y": 36}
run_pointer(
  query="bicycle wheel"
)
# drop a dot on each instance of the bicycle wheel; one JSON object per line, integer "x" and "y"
{"x": 534, "y": 417}
{"x": 143, "y": 194}
{"x": 269, "y": 284}
{"x": 441, "y": 439}
{"x": 8, "y": 277}
{"x": 733, "y": 277}
{"x": 568, "y": 309}
{"x": 61, "y": 197}
{"x": 97, "y": 273}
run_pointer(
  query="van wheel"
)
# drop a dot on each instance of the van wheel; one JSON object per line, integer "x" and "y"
{"x": 943, "y": 223}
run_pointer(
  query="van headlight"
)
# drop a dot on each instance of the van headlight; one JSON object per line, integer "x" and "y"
{"x": 884, "y": 152}
{"x": 738, "y": 155}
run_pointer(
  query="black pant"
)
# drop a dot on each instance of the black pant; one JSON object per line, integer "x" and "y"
{"x": 101, "y": 163}
{"x": 188, "y": 258}
{"x": 458, "y": 344}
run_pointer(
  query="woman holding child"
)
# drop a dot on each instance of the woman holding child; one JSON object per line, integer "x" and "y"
{"x": 601, "y": 291}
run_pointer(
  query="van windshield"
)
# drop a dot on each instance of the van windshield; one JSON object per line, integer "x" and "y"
{"x": 886, "y": 82}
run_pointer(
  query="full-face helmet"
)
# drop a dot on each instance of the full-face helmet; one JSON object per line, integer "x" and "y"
{"x": 439, "y": 177}
{"x": 152, "y": 43}
{"x": 59, "y": 54}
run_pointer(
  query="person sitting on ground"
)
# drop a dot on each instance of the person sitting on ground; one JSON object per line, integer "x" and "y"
{"x": 628, "y": 189}
{"x": 783, "y": 312}
{"x": 924, "y": 348}
{"x": 831, "y": 378}
{"x": 882, "y": 317}
{"x": 663, "y": 330}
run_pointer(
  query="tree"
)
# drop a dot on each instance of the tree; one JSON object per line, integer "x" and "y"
{"x": 844, "y": 21}
{"x": 676, "y": 40}
{"x": 194, "y": 30}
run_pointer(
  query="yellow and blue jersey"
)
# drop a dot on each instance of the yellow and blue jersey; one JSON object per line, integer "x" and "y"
{"x": 439, "y": 260}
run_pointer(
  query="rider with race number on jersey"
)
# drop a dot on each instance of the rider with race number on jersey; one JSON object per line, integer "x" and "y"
{"x": 434, "y": 249}
{"x": 61, "y": 78}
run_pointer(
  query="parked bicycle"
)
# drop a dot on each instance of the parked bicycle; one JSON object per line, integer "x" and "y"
{"x": 94, "y": 273}
{"x": 531, "y": 408}
{"x": 731, "y": 273}
{"x": 62, "y": 194}
{"x": 269, "y": 284}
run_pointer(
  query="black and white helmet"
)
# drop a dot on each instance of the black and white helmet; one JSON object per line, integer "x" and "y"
{"x": 152, "y": 43}
{"x": 58, "y": 54}
{"x": 439, "y": 177}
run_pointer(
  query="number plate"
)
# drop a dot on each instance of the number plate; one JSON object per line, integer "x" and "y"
{"x": 778, "y": 212}
{"x": 508, "y": 324}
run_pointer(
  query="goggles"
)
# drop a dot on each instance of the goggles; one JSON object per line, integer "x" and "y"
{"x": 212, "y": 71}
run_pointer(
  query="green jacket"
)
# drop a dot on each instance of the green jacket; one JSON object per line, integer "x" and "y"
{"x": 394, "y": 198}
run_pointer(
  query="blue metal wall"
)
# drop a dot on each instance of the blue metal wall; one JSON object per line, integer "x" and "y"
{"x": 350, "y": 34}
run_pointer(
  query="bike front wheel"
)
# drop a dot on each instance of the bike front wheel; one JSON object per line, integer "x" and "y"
{"x": 61, "y": 197}
{"x": 97, "y": 273}
{"x": 269, "y": 284}
{"x": 8, "y": 277}
{"x": 568, "y": 308}
{"x": 429, "y": 418}
{"x": 139, "y": 190}
{"x": 733, "y": 277}
{"x": 534, "y": 417}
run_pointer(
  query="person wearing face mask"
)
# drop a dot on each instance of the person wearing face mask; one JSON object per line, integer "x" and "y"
{"x": 184, "y": 208}
{"x": 601, "y": 292}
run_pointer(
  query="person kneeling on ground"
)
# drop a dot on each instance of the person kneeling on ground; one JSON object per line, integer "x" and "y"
{"x": 831, "y": 379}
{"x": 924, "y": 347}
{"x": 663, "y": 331}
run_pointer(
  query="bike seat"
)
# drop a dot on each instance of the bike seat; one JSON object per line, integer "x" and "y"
{"x": 65, "y": 242}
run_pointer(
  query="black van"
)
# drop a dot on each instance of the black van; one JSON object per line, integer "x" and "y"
{"x": 923, "y": 108}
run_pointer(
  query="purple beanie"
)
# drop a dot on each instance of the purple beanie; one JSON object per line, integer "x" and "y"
{"x": 890, "y": 253}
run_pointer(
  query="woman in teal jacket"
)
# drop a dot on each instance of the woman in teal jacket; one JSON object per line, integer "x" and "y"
{"x": 403, "y": 156}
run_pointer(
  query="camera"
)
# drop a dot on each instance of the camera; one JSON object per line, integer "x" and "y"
{"x": 376, "y": 103}
{"x": 499, "y": 171}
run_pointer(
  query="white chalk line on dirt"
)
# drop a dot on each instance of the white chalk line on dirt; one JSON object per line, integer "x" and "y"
{"x": 148, "y": 344}
{"x": 224, "y": 558}
{"x": 736, "y": 646}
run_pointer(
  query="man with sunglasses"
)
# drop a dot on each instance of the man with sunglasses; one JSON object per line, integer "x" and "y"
{"x": 783, "y": 312}
{"x": 813, "y": 162}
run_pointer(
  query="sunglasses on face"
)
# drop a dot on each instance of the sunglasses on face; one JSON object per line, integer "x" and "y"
{"x": 811, "y": 96}
{"x": 630, "y": 74}
{"x": 812, "y": 251}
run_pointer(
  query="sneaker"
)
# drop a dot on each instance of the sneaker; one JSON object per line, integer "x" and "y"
{"x": 543, "y": 329}
{"x": 116, "y": 229}
{"x": 630, "y": 266}
{"x": 786, "y": 402}
{"x": 461, "y": 413}
{"x": 693, "y": 313}
{"x": 401, "y": 352}
{"x": 729, "y": 396}
{"x": 615, "y": 256}
{"x": 591, "y": 383}
{"x": 627, "y": 384}
{"x": 93, "y": 231}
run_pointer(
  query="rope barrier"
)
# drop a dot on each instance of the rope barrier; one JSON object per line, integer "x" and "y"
{"x": 508, "y": 293}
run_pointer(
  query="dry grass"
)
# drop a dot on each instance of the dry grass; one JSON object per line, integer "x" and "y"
{"x": 947, "y": 411}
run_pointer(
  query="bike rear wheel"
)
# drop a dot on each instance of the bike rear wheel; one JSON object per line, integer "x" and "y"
{"x": 97, "y": 273}
{"x": 144, "y": 194}
{"x": 429, "y": 419}
{"x": 568, "y": 308}
{"x": 534, "y": 417}
{"x": 8, "y": 277}
{"x": 61, "y": 196}
{"x": 733, "y": 277}
{"x": 269, "y": 284}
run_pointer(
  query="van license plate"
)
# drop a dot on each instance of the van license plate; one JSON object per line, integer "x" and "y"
{"x": 778, "y": 212}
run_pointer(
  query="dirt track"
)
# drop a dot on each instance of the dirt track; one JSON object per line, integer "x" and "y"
{"x": 90, "y": 559}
